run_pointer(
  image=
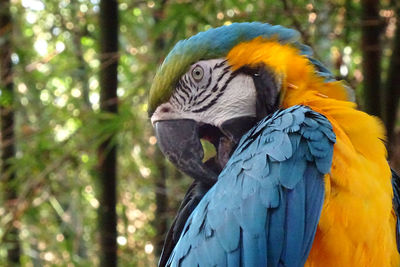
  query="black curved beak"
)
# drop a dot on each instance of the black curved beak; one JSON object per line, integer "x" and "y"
{"x": 180, "y": 143}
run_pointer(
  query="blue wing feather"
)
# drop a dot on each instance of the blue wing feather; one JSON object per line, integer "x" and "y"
{"x": 265, "y": 207}
{"x": 314, "y": 196}
{"x": 396, "y": 204}
{"x": 276, "y": 233}
{"x": 295, "y": 224}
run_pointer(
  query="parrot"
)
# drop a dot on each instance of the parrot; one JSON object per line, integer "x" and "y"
{"x": 300, "y": 176}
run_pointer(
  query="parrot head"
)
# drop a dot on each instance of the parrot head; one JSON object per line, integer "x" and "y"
{"x": 217, "y": 84}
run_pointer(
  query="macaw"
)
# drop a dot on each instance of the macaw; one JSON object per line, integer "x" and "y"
{"x": 300, "y": 176}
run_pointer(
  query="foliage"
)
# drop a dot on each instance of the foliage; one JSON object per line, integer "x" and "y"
{"x": 59, "y": 125}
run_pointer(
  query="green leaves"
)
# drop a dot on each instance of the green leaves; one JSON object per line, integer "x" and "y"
{"x": 6, "y": 97}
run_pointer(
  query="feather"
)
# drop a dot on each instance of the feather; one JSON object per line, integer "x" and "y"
{"x": 291, "y": 171}
{"x": 295, "y": 225}
{"x": 396, "y": 202}
{"x": 261, "y": 216}
{"x": 313, "y": 204}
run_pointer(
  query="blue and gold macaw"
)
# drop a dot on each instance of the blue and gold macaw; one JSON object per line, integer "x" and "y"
{"x": 300, "y": 176}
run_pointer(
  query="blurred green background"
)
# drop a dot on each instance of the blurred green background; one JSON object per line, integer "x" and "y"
{"x": 52, "y": 201}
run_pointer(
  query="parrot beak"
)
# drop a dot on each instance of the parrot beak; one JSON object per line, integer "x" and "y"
{"x": 179, "y": 141}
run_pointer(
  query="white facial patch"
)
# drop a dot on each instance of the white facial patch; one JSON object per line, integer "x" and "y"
{"x": 210, "y": 92}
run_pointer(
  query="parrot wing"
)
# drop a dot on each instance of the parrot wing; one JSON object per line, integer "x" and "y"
{"x": 192, "y": 198}
{"x": 265, "y": 207}
{"x": 396, "y": 204}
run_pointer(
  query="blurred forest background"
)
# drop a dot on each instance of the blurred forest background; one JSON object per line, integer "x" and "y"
{"x": 82, "y": 181}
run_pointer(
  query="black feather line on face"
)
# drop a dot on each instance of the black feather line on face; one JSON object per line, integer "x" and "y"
{"x": 267, "y": 89}
{"x": 215, "y": 99}
{"x": 183, "y": 88}
{"x": 219, "y": 65}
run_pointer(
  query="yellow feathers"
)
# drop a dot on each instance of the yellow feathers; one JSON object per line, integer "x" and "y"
{"x": 357, "y": 224}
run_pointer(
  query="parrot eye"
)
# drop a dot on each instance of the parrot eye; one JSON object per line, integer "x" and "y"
{"x": 197, "y": 73}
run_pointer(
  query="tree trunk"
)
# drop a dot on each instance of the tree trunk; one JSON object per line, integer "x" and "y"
{"x": 392, "y": 92}
{"x": 108, "y": 151}
{"x": 161, "y": 212}
{"x": 371, "y": 50}
{"x": 7, "y": 128}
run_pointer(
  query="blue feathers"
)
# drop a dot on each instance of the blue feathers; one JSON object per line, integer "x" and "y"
{"x": 396, "y": 204}
{"x": 265, "y": 207}
{"x": 217, "y": 42}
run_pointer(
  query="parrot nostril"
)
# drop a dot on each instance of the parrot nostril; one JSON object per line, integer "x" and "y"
{"x": 165, "y": 109}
